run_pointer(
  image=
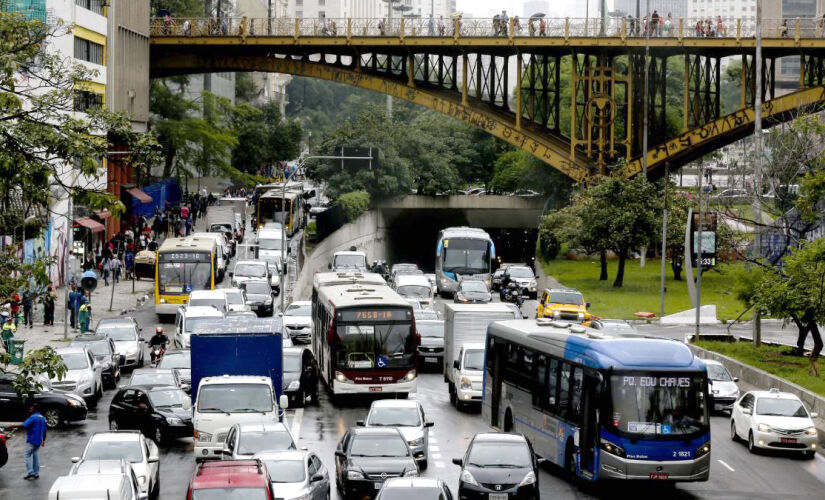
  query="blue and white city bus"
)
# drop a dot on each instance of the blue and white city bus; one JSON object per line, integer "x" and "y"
{"x": 462, "y": 252}
{"x": 600, "y": 406}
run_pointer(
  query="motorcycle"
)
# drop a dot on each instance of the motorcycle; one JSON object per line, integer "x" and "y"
{"x": 512, "y": 293}
{"x": 157, "y": 353}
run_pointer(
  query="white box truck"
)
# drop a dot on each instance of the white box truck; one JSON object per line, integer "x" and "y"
{"x": 467, "y": 323}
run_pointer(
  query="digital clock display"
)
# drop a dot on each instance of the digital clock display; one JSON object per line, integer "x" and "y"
{"x": 184, "y": 257}
{"x": 374, "y": 315}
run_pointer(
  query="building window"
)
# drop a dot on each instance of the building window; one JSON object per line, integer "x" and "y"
{"x": 95, "y": 6}
{"x": 322, "y": 14}
{"x": 299, "y": 14}
{"x": 88, "y": 51}
{"x": 321, "y": 3}
{"x": 85, "y": 100}
{"x": 299, "y": 2}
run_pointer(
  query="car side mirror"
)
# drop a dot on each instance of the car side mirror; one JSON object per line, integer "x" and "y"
{"x": 456, "y": 365}
{"x": 283, "y": 402}
{"x": 153, "y": 459}
{"x": 143, "y": 496}
{"x": 317, "y": 477}
{"x": 458, "y": 461}
{"x": 339, "y": 454}
{"x": 736, "y": 379}
{"x": 360, "y": 423}
{"x": 142, "y": 339}
{"x": 814, "y": 414}
{"x": 75, "y": 460}
{"x": 429, "y": 424}
{"x": 225, "y": 451}
{"x": 747, "y": 411}
{"x": 329, "y": 266}
{"x": 231, "y": 273}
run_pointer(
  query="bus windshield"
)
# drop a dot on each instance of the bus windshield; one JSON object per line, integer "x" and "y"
{"x": 371, "y": 346}
{"x": 466, "y": 256}
{"x": 193, "y": 272}
{"x": 657, "y": 405}
{"x": 270, "y": 209}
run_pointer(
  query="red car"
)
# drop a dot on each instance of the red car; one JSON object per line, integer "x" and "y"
{"x": 230, "y": 480}
{"x": 4, "y": 453}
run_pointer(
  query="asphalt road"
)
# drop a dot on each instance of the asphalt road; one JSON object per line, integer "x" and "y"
{"x": 735, "y": 473}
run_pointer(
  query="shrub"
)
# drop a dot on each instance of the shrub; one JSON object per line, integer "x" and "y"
{"x": 354, "y": 204}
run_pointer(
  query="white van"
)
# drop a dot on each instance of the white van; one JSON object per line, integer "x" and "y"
{"x": 468, "y": 371}
{"x": 349, "y": 261}
{"x": 188, "y": 318}
{"x": 222, "y": 253}
{"x": 217, "y": 406}
{"x": 415, "y": 287}
{"x": 95, "y": 487}
{"x": 270, "y": 243}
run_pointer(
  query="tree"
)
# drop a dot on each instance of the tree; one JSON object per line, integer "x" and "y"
{"x": 179, "y": 8}
{"x": 264, "y": 138}
{"x": 556, "y": 228}
{"x": 677, "y": 212}
{"x": 27, "y": 376}
{"x": 245, "y": 88}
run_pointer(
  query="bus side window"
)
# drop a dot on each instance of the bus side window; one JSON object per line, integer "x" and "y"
{"x": 576, "y": 405}
{"x": 540, "y": 380}
{"x": 564, "y": 391}
{"x": 552, "y": 386}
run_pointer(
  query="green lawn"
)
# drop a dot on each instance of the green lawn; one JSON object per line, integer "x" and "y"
{"x": 641, "y": 288}
{"x": 770, "y": 358}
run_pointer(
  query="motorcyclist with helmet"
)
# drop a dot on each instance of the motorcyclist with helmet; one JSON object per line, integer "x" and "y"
{"x": 159, "y": 339}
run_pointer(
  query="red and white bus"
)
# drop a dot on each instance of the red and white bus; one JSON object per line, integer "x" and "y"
{"x": 364, "y": 336}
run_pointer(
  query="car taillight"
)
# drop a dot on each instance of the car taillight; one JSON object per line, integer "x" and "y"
{"x": 3, "y": 438}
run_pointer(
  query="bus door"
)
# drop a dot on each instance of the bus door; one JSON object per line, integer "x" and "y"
{"x": 589, "y": 439}
{"x": 495, "y": 371}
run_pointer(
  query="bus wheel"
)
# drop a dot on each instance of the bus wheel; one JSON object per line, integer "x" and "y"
{"x": 508, "y": 421}
{"x": 569, "y": 460}
{"x": 453, "y": 397}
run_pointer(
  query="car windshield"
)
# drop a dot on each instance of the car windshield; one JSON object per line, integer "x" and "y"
{"x": 270, "y": 243}
{"x": 658, "y": 405}
{"x": 285, "y": 471}
{"x": 117, "y": 333}
{"x": 520, "y": 272}
{"x": 98, "y": 347}
{"x": 395, "y": 417}
{"x": 75, "y": 360}
{"x": 251, "y": 442}
{"x": 349, "y": 261}
{"x": 230, "y": 494}
{"x": 192, "y": 323}
{"x": 101, "y": 449}
{"x": 499, "y": 454}
{"x": 780, "y": 407}
{"x": 165, "y": 378}
{"x": 718, "y": 373}
{"x": 170, "y": 397}
{"x": 466, "y": 256}
{"x": 292, "y": 362}
{"x": 251, "y": 270}
{"x": 473, "y": 286}
{"x": 299, "y": 310}
{"x": 474, "y": 359}
{"x": 566, "y": 298}
{"x": 235, "y": 398}
{"x": 257, "y": 288}
{"x": 378, "y": 446}
{"x": 415, "y": 291}
{"x": 433, "y": 330}
{"x": 217, "y": 303}
{"x": 175, "y": 360}
{"x": 234, "y": 298}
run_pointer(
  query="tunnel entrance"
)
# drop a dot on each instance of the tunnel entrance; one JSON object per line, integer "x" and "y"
{"x": 413, "y": 235}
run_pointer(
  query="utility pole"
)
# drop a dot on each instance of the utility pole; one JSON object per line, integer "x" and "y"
{"x": 269, "y": 17}
{"x": 664, "y": 246}
{"x": 645, "y": 110}
{"x": 68, "y": 261}
{"x": 757, "y": 165}
{"x": 698, "y": 246}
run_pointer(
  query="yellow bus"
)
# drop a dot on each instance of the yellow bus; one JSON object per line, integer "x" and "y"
{"x": 271, "y": 209}
{"x": 183, "y": 265}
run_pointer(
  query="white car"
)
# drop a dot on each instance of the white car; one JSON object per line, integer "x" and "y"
{"x": 298, "y": 321}
{"x": 468, "y": 373}
{"x": 408, "y": 417}
{"x": 235, "y": 300}
{"x": 208, "y": 298}
{"x": 773, "y": 420}
{"x": 249, "y": 270}
{"x": 245, "y": 440}
{"x": 84, "y": 375}
{"x": 525, "y": 278}
{"x": 296, "y": 474}
{"x": 190, "y": 317}
{"x": 721, "y": 386}
{"x": 132, "y": 446}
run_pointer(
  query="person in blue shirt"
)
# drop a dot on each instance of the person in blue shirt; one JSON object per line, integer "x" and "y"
{"x": 75, "y": 298}
{"x": 35, "y": 427}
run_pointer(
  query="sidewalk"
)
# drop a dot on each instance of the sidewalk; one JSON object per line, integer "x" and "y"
{"x": 123, "y": 302}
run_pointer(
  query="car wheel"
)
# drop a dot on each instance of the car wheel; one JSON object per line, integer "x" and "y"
{"x": 110, "y": 383}
{"x": 733, "y": 435}
{"x": 140, "y": 362}
{"x": 751, "y": 446}
{"x": 99, "y": 393}
{"x": 155, "y": 493}
{"x": 54, "y": 417}
{"x": 423, "y": 464}
{"x": 157, "y": 436}
{"x": 453, "y": 397}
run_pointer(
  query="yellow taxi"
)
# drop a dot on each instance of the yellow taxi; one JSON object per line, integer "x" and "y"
{"x": 563, "y": 304}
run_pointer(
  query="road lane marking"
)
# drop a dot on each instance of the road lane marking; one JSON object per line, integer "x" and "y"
{"x": 439, "y": 464}
{"x": 726, "y": 465}
{"x": 433, "y": 439}
{"x": 296, "y": 423}
{"x": 435, "y": 447}
{"x": 436, "y": 455}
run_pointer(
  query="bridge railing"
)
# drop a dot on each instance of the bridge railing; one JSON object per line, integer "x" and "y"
{"x": 618, "y": 27}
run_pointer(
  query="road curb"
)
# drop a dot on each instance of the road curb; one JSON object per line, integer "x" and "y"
{"x": 764, "y": 380}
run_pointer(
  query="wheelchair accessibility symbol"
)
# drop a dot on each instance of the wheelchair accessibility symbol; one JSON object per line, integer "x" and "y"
{"x": 382, "y": 362}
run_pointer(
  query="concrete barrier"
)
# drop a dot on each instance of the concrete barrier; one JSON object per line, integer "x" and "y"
{"x": 764, "y": 381}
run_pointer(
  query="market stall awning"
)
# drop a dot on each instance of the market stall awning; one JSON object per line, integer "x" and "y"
{"x": 139, "y": 195}
{"x": 91, "y": 224}
{"x": 103, "y": 214}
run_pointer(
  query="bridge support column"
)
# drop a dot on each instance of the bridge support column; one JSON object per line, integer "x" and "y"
{"x": 702, "y": 81}
{"x": 464, "y": 75}
{"x": 519, "y": 78}
{"x": 811, "y": 71}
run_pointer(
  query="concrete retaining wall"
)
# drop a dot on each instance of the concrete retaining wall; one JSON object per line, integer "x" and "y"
{"x": 763, "y": 380}
{"x": 367, "y": 234}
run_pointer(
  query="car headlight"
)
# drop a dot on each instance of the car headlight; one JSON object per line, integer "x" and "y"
{"x": 410, "y": 376}
{"x": 268, "y": 301}
{"x": 702, "y": 450}
{"x": 417, "y": 441}
{"x": 354, "y": 474}
{"x": 468, "y": 478}
{"x": 763, "y": 428}
{"x": 294, "y": 385}
{"x": 132, "y": 350}
{"x": 445, "y": 281}
{"x": 580, "y": 315}
{"x": 340, "y": 377}
{"x": 811, "y": 431}
{"x": 162, "y": 301}
{"x": 533, "y": 284}
{"x": 612, "y": 448}
{"x": 203, "y": 437}
{"x": 142, "y": 479}
{"x": 173, "y": 421}
{"x": 530, "y": 478}
{"x": 411, "y": 473}
{"x": 557, "y": 314}
{"x": 73, "y": 402}
{"x": 466, "y": 384}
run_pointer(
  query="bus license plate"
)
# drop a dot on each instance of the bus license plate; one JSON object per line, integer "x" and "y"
{"x": 498, "y": 496}
{"x": 788, "y": 440}
{"x": 376, "y": 389}
{"x": 431, "y": 360}
{"x": 658, "y": 475}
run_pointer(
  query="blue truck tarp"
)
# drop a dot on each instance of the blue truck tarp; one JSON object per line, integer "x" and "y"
{"x": 163, "y": 193}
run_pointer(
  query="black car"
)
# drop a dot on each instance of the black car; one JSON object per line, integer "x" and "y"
{"x": 56, "y": 408}
{"x": 431, "y": 350}
{"x": 105, "y": 353}
{"x": 472, "y": 292}
{"x": 299, "y": 378}
{"x": 179, "y": 361}
{"x": 162, "y": 413}
{"x": 419, "y": 488}
{"x": 367, "y": 456}
{"x": 259, "y": 296}
{"x": 498, "y": 466}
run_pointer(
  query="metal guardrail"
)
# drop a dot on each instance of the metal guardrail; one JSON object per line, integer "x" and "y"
{"x": 513, "y": 28}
